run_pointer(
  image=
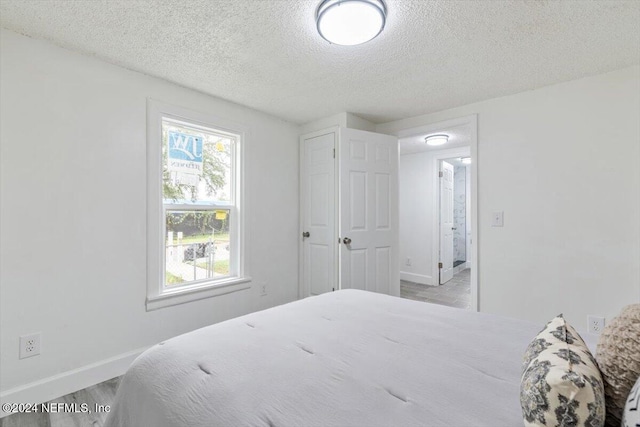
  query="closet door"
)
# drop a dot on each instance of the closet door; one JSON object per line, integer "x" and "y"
{"x": 318, "y": 209}
{"x": 368, "y": 211}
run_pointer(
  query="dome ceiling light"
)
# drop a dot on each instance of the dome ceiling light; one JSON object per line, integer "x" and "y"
{"x": 434, "y": 140}
{"x": 350, "y": 22}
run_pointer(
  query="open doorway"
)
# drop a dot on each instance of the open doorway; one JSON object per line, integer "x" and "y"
{"x": 438, "y": 210}
{"x": 455, "y": 234}
{"x": 455, "y": 216}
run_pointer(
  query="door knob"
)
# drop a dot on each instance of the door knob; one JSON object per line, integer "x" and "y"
{"x": 306, "y": 234}
{"x": 346, "y": 241}
{"x": 453, "y": 228}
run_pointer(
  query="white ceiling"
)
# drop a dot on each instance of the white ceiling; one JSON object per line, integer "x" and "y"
{"x": 267, "y": 55}
{"x": 459, "y": 136}
{"x": 456, "y": 161}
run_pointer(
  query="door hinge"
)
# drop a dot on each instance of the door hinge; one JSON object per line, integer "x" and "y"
{"x": 334, "y": 153}
{"x": 339, "y": 240}
{"x": 439, "y": 265}
{"x": 440, "y": 174}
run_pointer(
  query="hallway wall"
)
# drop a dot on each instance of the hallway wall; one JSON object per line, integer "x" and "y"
{"x": 555, "y": 160}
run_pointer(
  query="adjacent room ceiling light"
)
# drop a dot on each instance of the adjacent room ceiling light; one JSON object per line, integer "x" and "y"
{"x": 465, "y": 160}
{"x": 436, "y": 139}
{"x": 350, "y": 22}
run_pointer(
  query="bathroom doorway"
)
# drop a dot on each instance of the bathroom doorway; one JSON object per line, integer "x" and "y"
{"x": 426, "y": 248}
{"x": 455, "y": 216}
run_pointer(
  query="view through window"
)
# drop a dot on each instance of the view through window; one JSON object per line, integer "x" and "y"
{"x": 198, "y": 194}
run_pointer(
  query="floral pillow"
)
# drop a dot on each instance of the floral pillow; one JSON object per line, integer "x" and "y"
{"x": 561, "y": 384}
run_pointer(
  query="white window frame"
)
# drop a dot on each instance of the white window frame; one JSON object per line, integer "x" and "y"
{"x": 158, "y": 295}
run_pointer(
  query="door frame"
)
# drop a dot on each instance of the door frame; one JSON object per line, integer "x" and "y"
{"x": 302, "y": 292}
{"x": 472, "y": 122}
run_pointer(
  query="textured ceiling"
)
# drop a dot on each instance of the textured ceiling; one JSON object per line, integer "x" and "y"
{"x": 459, "y": 136}
{"x": 267, "y": 55}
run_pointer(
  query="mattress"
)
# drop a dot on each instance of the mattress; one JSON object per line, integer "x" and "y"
{"x": 345, "y": 358}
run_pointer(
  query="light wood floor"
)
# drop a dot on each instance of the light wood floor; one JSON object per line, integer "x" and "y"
{"x": 455, "y": 293}
{"x": 101, "y": 394}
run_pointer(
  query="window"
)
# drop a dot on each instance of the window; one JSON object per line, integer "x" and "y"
{"x": 194, "y": 207}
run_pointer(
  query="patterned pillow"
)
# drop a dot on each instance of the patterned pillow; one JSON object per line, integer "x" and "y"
{"x": 557, "y": 330}
{"x": 561, "y": 384}
{"x": 619, "y": 360}
{"x": 631, "y": 413}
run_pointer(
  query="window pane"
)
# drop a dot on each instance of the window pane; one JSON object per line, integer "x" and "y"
{"x": 196, "y": 163}
{"x": 197, "y": 246}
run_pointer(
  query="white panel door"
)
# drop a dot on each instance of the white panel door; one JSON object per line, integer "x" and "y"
{"x": 369, "y": 211}
{"x": 446, "y": 222}
{"x": 318, "y": 194}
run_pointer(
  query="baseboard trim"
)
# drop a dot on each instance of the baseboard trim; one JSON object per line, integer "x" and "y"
{"x": 461, "y": 267}
{"x": 67, "y": 382}
{"x": 416, "y": 278}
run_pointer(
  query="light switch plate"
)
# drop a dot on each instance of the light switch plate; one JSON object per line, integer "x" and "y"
{"x": 497, "y": 219}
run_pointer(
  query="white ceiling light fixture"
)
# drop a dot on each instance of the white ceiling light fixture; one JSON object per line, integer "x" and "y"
{"x": 465, "y": 160}
{"x": 350, "y": 22}
{"x": 434, "y": 140}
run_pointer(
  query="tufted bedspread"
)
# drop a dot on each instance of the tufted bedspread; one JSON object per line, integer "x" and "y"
{"x": 346, "y": 358}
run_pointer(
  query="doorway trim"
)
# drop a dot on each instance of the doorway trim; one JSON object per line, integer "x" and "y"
{"x": 472, "y": 122}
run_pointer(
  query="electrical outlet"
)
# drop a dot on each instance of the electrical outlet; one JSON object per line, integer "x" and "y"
{"x": 30, "y": 345}
{"x": 263, "y": 289}
{"x": 497, "y": 219}
{"x": 408, "y": 262}
{"x": 595, "y": 324}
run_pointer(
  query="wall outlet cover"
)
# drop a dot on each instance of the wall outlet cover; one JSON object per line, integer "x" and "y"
{"x": 30, "y": 345}
{"x": 595, "y": 324}
{"x": 497, "y": 219}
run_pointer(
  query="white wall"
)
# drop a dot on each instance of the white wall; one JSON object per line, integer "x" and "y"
{"x": 562, "y": 162}
{"x": 72, "y": 147}
{"x": 467, "y": 227}
{"x": 416, "y": 218}
{"x": 356, "y": 122}
{"x": 345, "y": 120}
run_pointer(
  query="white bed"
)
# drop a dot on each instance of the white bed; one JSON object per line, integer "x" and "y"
{"x": 346, "y": 358}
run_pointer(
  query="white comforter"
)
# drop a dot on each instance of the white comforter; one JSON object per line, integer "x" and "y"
{"x": 346, "y": 358}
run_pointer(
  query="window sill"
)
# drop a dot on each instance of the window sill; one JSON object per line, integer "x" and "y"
{"x": 194, "y": 293}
